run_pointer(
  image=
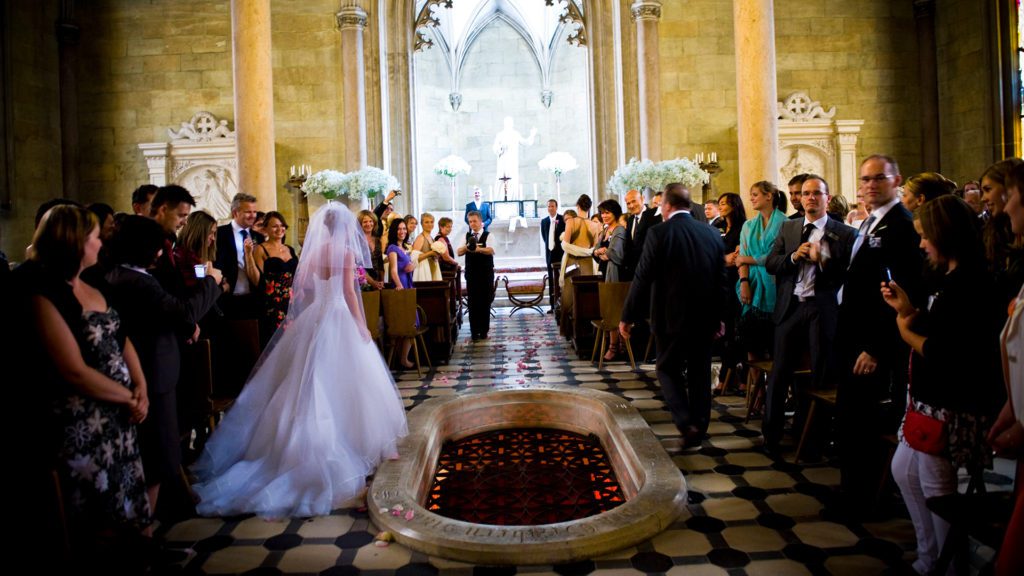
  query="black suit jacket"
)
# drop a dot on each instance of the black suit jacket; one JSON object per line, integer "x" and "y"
{"x": 154, "y": 320}
{"x": 227, "y": 255}
{"x": 635, "y": 242}
{"x": 829, "y": 277}
{"x": 867, "y": 323}
{"x": 484, "y": 210}
{"x": 553, "y": 253}
{"x": 680, "y": 280}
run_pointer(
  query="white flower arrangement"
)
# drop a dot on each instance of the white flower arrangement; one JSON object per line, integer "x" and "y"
{"x": 558, "y": 163}
{"x": 331, "y": 184}
{"x": 635, "y": 175}
{"x": 639, "y": 174}
{"x": 372, "y": 181}
{"x": 327, "y": 183}
{"x": 451, "y": 166}
{"x": 682, "y": 170}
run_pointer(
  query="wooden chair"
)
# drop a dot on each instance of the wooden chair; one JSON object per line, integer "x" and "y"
{"x": 611, "y": 296}
{"x": 757, "y": 389}
{"x": 400, "y": 311}
{"x": 525, "y": 293}
{"x": 825, "y": 398}
{"x": 371, "y": 308}
{"x": 434, "y": 299}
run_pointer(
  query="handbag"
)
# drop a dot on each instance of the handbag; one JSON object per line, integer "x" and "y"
{"x": 922, "y": 432}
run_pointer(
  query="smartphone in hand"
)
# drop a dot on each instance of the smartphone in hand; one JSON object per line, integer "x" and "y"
{"x": 888, "y": 275}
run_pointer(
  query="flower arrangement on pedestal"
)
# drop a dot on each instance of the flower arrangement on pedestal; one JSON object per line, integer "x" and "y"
{"x": 558, "y": 163}
{"x": 366, "y": 182}
{"x": 639, "y": 174}
{"x": 451, "y": 166}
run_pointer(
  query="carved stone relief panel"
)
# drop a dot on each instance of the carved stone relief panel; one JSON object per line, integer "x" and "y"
{"x": 202, "y": 157}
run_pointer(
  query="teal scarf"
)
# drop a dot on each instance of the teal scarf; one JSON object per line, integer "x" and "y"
{"x": 756, "y": 241}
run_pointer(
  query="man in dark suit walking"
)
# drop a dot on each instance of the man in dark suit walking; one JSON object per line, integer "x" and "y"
{"x": 478, "y": 205}
{"x": 874, "y": 359}
{"x": 551, "y": 229}
{"x": 235, "y": 241}
{"x": 680, "y": 284}
{"x": 809, "y": 260}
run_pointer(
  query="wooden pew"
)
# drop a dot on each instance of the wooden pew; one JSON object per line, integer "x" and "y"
{"x": 435, "y": 299}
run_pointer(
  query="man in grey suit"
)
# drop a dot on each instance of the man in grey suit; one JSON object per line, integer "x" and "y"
{"x": 680, "y": 285}
{"x": 809, "y": 260}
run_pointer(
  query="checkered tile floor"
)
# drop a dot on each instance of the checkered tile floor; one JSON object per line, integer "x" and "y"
{"x": 748, "y": 514}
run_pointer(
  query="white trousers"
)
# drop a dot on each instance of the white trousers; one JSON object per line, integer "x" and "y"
{"x": 921, "y": 476}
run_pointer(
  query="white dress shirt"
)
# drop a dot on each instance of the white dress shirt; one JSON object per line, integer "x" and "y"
{"x": 242, "y": 283}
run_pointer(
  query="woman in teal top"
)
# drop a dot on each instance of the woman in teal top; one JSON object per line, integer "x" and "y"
{"x": 756, "y": 287}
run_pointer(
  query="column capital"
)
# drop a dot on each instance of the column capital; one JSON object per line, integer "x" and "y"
{"x": 645, "y": 10}
{"x": 351, "y": 17}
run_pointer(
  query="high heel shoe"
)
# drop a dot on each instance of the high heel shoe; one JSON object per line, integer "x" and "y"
{"x": 612, "y": 353}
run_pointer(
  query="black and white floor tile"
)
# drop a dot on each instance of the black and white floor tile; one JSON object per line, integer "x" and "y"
{"x": 748, "y": 514}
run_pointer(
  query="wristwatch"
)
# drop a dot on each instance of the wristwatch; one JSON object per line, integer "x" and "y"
{"x": 745, "y": 280}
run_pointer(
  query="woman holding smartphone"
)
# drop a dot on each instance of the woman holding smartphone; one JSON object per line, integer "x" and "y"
{"x": 961, "y": 320}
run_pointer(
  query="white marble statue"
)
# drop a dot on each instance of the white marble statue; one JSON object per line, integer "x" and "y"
{"x": 506, "y": 147}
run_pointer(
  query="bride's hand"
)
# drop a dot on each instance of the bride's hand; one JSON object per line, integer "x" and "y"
{"x": 365, "y": 333}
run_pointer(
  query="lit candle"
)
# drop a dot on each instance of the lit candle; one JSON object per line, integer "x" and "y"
{"x": 714, "y": 157}
{"x": 291, "y": 172}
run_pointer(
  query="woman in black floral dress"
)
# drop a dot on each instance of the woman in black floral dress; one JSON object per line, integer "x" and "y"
{"x": 98, "y": 391}
{"x": 276, "y": 262}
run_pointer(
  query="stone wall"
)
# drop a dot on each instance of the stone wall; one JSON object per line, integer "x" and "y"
{"x": 965, "y": 80}
{"x": 35, "y": 132}
{"x": 150, "y": 69}
{"x": 500, "y": 78}
{"x": 860, "y": 57}
{"x": 144, "y": 70}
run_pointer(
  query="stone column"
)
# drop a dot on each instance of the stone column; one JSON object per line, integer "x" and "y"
{"x": 352, "y": 22}
{"x": 67, "y": 46}
{"x": 646, "y": 14}
{"x": 928, "y": 81}
{"x": 756, "y": 94}
{"x": 254, "y": 100}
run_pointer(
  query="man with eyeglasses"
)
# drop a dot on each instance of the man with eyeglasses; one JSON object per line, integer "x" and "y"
{"x": 808, "y": 259}
{"x": 872, "y": 356}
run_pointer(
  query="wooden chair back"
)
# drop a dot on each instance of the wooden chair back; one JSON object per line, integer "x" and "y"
{"x": 400, "y": 312}
{"x": 612, "y": 296}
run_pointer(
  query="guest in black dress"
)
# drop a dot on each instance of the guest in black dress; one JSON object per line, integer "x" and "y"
{"x": 276, "y": 262}
{"x": 88, "y": 372}
{"x": 730, "y": 206}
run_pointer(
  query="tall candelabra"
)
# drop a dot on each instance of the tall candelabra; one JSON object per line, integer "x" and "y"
{"x": 300, "y": 205}
{"x": 712, "y": 168}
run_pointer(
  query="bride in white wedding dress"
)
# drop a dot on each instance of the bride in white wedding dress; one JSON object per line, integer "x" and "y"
{"x": 320, "y": 410}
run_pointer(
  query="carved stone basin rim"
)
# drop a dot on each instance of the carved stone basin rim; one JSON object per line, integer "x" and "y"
{"x": 654, "y": 488}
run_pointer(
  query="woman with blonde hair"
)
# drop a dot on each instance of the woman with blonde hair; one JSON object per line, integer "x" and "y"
{"x": 923, "y": 187}
{"x": 375, "y": 275}
{"x": 423, "y": 253}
